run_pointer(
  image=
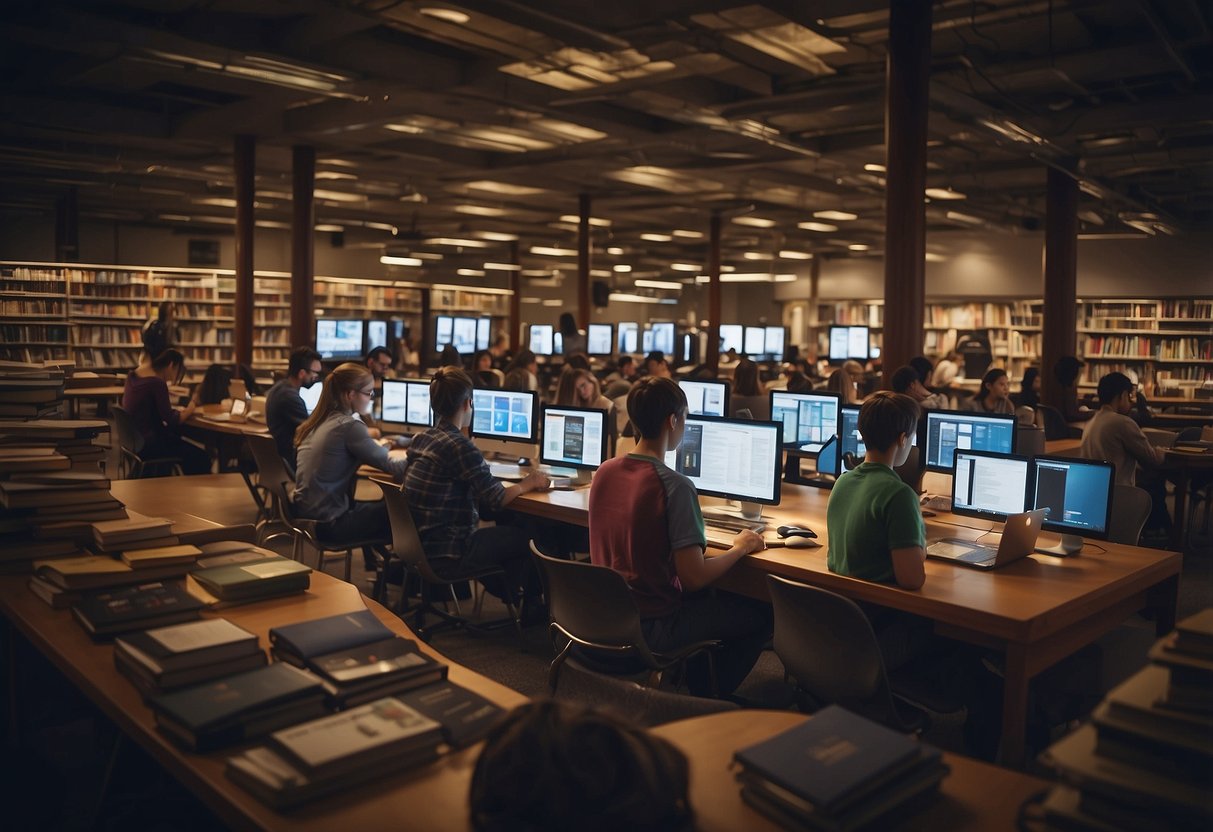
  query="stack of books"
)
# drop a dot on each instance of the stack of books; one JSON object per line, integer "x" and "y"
{"x": 240, "y": 707}
{"x": 337, "y": 753}
{"x": 837, "y": 771}
{"x": 247, "y": 573}
{"x": 169, "y": 658}
{"x": 1146, "y": 759}
{"x": 109, "y": 612}
{"x": 72, "y": 438}
{"x": 31, "y": 390}
{"x": 356, "y": 656}
{"x": 134, "y": 531}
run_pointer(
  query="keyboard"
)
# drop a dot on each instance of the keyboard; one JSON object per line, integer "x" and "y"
{"x": 734, "y": 525}
{"x": 506, "y": 471}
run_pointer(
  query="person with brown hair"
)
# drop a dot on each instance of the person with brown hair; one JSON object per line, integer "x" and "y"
{"x": 145, "y": 397}
{"x": 994, "y": 395}
{"x": 330, "y": 446}
{"x": 748, "y": 393}
{"x": 579, "y": 388}
{"x": 550, "y": 766}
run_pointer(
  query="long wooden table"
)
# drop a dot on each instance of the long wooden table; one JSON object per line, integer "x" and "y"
{"x": 1036, "y": 612}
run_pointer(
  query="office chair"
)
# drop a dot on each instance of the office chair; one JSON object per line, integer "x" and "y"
{"x": 1130, "y": 510}
{"x": 1055, "y": 424}
{"x": 131, "y": 444}
{"x": 643, "y": 705}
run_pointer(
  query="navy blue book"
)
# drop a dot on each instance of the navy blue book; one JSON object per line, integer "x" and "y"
{"x": 832, "y": 758}
{"x": 296, "y": 643}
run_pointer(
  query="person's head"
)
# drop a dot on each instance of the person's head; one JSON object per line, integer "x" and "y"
{"x": 349, "y": 389}
{"x": 550, "y": 766}
{"x": 656, "y": 404}
{"x": 379, "y": 361}
{"x": 451, "y": 396}
{"x": 303, "y": 368}
{"x": 578, "y": 361}
{"x": 854, "y": 370}
{"x": 994, "y": 386}
{"x": 169, "y": 365}
{"x": 1066, "y": 370}
{"x": 745, "y": 379}
{"x": 627, "y": 367}
{"x": 568, "y": 325}
{"x": 525, "y": 360}
{"x": 213, "y": 387}
{"x": 923, "y": 366}
{"x": 450, "y": 357}
{"x": 1031, "y": 380}
{"x": 499, "y": 346}
{"x": 889, "y": 420}
{"x": 906, "y": 380}
{"x": 577, "y": 387}
{"x": 1116, "y": 390}
{"x": 656, "y": 365}
{"x": 483, "y": 362}
{"x": 840, "y": 382}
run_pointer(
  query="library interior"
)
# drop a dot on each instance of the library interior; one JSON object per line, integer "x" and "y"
{"x": 398, "y": 394}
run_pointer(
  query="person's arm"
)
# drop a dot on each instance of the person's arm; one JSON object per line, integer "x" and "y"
{"x": 908, "y": 567}
{"x": 367, "y": 451}
{"x": 696, "y": 572}
{"x": 534, "y": 481}
{"x": 907, "y": 540}
{"x": 1139, "y": 447}
{"x": 164, "y": 408}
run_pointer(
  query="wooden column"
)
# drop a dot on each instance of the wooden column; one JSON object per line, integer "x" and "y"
{"x": 814, "y": 293}
{"x": 906, "y": 106}
{"x": 515, "y": 324}
{"x": 245, "y": 163}
{"x": 67, "y": 227}
{"x": 423, "y": 344}
{"x": 713, "y": 348}
{"x": 303, "y": 236}
{"x": 1060, "y": 319}
{"x": 583, "y": 261}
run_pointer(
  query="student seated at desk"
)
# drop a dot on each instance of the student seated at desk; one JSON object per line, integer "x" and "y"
{"x": 994, "y": 395}
{"x": 645, "y": 523}
{"x": 448, "y": 482}
{"x": 330, "y": 446}
{"x": 748, "y": 393}
{"x": 284, "y": 408}
{"x": 521, "y": 374}
{"x": 145, "y": 397}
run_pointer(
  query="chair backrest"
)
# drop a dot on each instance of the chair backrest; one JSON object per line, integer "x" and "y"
{"x": 910, "y": 471}
{"x": 640, "y": 704}
{"x": 406, "y": 540}
{"x": 271, "y": 469}
{"x": 1130, "y": 508}
{"x": 1054, "y": 423}
{"x": 591, "y": 603}
{"x": 129, "y": 437}
{"x": 827, "y": 645}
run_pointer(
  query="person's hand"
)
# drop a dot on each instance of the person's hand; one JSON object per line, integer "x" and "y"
{"x": 536, "y": 481}
{"x": 748, "y": 541}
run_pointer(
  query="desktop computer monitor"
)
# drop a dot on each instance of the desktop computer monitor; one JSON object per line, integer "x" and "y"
{"x": 849, "y": 342}
{"x": 339, "y": 338}
{"x": 849, "y": 440}
{"x": 755, "y": 339}
{"x": 407, "y": 401}
{"x": 663, "y": 338}
{"x": 989, "y": 485}
{"x": 736, "y": 459}
{"x": 376, "y": 336}
{"x": 731, "y": 338}
{"x": 393, "y": 400}
{"x": 505, "y": 415}
{"x": 646, "y": 340}
{"x": 808, "y": 419}
{"x": 311, "y": 396}
{"x": 706, "y": 398}
{"x": 598, "y": 339}
{"x": 463, "y": 335}
{"x": 775, "y": 339}
{"x": 949, "y": 431}
{"x": 688, "y": 350}
{"x": 1078, "y": 496}
{"x": 541, "y": 340}
{"x": 573, "y": 436}
{"x": 629, "y": 336}
{"x": 484, "y": 333}
{"x": 444, "y": 326}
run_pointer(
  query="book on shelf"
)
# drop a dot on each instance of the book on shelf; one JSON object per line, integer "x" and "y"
{"x": 61, "y": 478}
{"x": 54, "y": 428}
{"x": 1063, "y": 810}
{"x": 36, "y": 495}
{"x": 239, "y": 707}
{"x": 1190, "y": 680}
{"x": 136, "y": 607}
{"x": 19, "y": 554}
{"x": 296, "y": 643}
{"x": 254, "y": 580}
{"x": 1194, "y": 636}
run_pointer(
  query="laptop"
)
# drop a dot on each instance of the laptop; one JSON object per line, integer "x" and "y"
{"x": 1018, "y": 540}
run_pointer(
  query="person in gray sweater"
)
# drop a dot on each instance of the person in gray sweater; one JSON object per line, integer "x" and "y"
{"x": 330, "y": 446}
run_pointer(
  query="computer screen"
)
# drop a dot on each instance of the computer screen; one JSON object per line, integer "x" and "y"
{"x": 808, "y": 419}
{"x": 484, "y": 333}
{"x": 541, "y": 340}
{"x": 310, "y": 396}
{"x": 849, "y": 342}
{"x": 444, "y": 326}
{"x": 949, "y": 431}
{"x": 989, "y": 485}
{"x": 646, "y": 341}
{"x": 775, "y": 338}
{"x": 663, "y": 338}
{"x": 755, "y": 340}
{"x": 406, "y": 401}
{"x": 574, "y": 436}
{"x": 598, "y": 339}
{"x": 557, "y": 343}
{"x": 731, "y": 338}
{"x": 376, "y": 336}
{"x": 397, "y": 329}
{"x": 688, "y": 351}
{"x": 737, "y": 459}
{"x": 849, "y": 440}
{"x": 706, "y": 398}
{"x": 339, "y": 338}
{"x": 1076, "y": 492}
{"x": 463, "y": 335}
{"x": 629, "y": 336}
{"x": 507, "y": 415}
{"x": 393, "y": 400}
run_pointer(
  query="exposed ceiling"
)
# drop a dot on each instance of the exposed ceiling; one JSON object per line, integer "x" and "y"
{"x": 448, "y": 120}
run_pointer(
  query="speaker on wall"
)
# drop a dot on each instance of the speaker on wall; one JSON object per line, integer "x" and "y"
{"x": 601, "y": 292}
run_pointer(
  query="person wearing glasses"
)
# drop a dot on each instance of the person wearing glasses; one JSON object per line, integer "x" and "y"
{"x": 284, "y": 407}
{"x": 330, "y": 445}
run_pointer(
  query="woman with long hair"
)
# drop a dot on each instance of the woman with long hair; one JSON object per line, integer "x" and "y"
{"x": 748, "y": 393}
{"x": 521, "y": 374}
{"x": 579, "y": 388}
{"x": 1029, "y": 392}
{"x": 330, "y": 446}
{"x": 145, "y": 397}
{"x": 482, "y": 371}
{"x": 994, "y": 395}
{"x": 840, "y": 382}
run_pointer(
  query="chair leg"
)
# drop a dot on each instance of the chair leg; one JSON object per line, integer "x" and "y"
{"x": 349, "y": 559}
{"x": 454, "y": 599}
{"x": 554, "y": 669}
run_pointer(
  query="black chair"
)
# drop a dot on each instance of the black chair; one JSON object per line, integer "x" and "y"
{"x": 1055, "y": 424}
{"x": 131, "y": 444}
{"x": 1130, "y": 509}
{"x": 642, "y": 705}
{"x": 593, "y": 611}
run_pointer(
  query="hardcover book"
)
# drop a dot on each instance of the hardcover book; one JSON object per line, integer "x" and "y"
{"x": 308, "y": 639}
{"x": 181, "y": 646}
{"x": 268, "y": 576}
{"x": 466, "y": 717}
{"x": 135, "y": 607}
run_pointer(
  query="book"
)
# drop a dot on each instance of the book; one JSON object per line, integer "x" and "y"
{"x": 150, "y": 685}
{"x": 54, "y": 428}
{"x": 1183, "y": 753}
{"x": 74, "y": 479}
{"x": 371, "y": 671}
{"x": 58, "y": 597}
{"x": 239, "y": 707}
{"x": 114, "y": 534}
{"x": 1138, "y": 699}
{"x": 160, "y": 555}
{"x": 269, "y": 576}
{"x": 35, "y": 494}
{"x": 1194, "y": 635}
{"x": 296, "y": 643}
{"x": 27, "y": 462}
{"x": 1190, "y": 685}
{"x": 135, "y": 607}
{"x": 465, "y": 717}
{"x": 182, "y": 646}
{"x": 96, "y": 571}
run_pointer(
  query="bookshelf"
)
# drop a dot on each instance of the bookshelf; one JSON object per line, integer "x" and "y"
{"x": 1166, "y": 341}
{"x": 33, "y": 314}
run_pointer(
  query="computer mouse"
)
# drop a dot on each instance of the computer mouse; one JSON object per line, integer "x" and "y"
{"x": 798, "y": 542}
{"x": 522, "y": 460}
{"x": 795, "y": 531}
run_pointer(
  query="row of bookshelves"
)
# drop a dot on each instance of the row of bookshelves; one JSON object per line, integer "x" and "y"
{"x": 1164, "y": 349}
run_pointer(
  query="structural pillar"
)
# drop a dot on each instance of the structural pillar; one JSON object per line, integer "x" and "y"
{"x": 1059, "y": 324}
{"x": 814, "y": 294}
{"x": 245, "y": 163}
{"x": 515, "y": 301}
{"x": 906, "y": 107}
{"x": 713, "y": 348}
{"x": 583, "y": 261}
{"x": 303, "y": 223}
{"x": 67, "y": 227}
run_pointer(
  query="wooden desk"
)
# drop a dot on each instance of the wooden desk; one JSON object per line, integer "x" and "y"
{"x": 433, "y": 797}
{"x": 1037, "y": 611}
{"x": 102, "y": 395}
{"x": 975, "y": 796}
{"x": 1182, "y": 464}
{"x": 219, "y": 498}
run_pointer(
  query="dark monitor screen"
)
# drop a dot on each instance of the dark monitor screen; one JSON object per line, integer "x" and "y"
{"x": 849, "y": 342}
{"x": 484, "y": 333}
{"x": 989, "y": 485}
{"x": 849, "y": 440}
{"x": 731, "y": 338}
{"x": 397, "y": 329}
{"x": 736, "y": 459}
{"x": 808, "y": 419}
{"x": 598, "y": 339}
{"x": 444, "y": 326}
{"x": 508, "y": 415}
{"x": 663, "y": 338}
{"x": 949, "y": 431}
{"x": 463, "y": 335}
{"x": 339, "y": 338}
{"x": 706, "y": 398}
{"x": 542, "y": 339}
{"x": 575, "y": 436}
{"x": 629, "y": 336}
{"x": 1076, "y": 492}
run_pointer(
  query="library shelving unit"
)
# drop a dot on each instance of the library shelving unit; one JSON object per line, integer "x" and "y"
{"x": 33, "y": 314}
{"x": 1167, "y": 341}
{"x": 490, "y": 303}
{"x": 351, "y": 297}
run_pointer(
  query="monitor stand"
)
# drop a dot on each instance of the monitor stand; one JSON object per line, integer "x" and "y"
{"x": 1071, "y": 544}
{"x": 574, "y": 476}
{"x": 748, "y": 512}
{"x": 518, "y": 453}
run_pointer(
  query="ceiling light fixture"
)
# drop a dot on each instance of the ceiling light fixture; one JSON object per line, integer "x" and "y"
{"x": 503, "y": 267}
{"x": 858, "y": 246}
{"x": 479, "y": 210}
{"x": 470, "y": 272}
{"x": 625, "y": 297}
{"x": 338, "y": 196}
{"x": 787, "y": 254}
{"x": 643, "y": 283}
{"x": 842, "y": 216}
{"x": 874, "y": 168}
{"x": 598, "y": 222}
{"x": 390, "y": 260}
{"x": 498, "y": 236}
{"x": 445, "y": 15}
{"x": 324, "y": 226}
{"x": 656, "y": 238}
{"x": 553, "y": 251}
{"x": 686, "y": 267}
{"x": 622, "y": 268}
{"x": 503, "y": 188}
{"x": 459, "y": 242}
{"x": 944, "y": 193}
{"x": 754, "y": 222}
{"x": 615, "y": 250}
{"x": 688, "y": 234}
{"x": 823, "y": 227}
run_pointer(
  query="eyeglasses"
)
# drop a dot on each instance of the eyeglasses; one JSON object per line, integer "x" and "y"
{"x": 370, "y": 394}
